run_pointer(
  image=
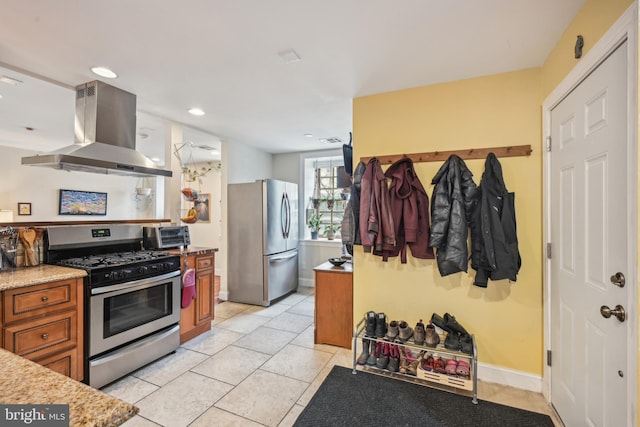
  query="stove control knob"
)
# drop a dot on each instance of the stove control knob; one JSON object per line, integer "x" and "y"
{"x": 142, "y": 270}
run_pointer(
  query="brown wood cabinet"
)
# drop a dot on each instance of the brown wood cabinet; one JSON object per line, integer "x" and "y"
{"x": 43, "y": 323}
{"x": 334, "y": 304}
{"x": 196, "y": 319}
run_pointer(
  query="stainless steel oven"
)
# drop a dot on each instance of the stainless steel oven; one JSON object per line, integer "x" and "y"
{"x": 132, "y": 297}
{"x": 144, "y": 314}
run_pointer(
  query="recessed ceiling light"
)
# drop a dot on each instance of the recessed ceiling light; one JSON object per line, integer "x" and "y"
{"x": 104, "y": 72}
{"x": 289, "y": 56}
{"x": 10, "y": 80}
{"x": 308, "y": 135}
{"x": 0, "y": 96}
{"x": 155, "y": 159}
{"x": 196, "y": 111}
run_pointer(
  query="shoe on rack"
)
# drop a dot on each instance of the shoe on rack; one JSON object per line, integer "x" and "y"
{"x": 428, "y": 363}
{"x": 412, "y": 367}
{"x": 392, "y": 330}
{"x": 404, "y": 331}
{"x": 394, "y": 358}
{"x": 463, "y": 369}
{"x": 450, "y": 367}
{"x": 374, "y": 354}
{"x": 437, "y": 320}
{"x": 403, "y": 360}
{"x": 439, "y": 365}
{"x": 466, "y": 343}
{"x": 419, "y": 333}
{"x": 432, "y": 338}
{"x": 362, "y": 359}
{"x": 453, "y": 324}
{"x": 383, "y": 360}
{"x": 381, "y": 325}
{"x": 452, "y": 341}
{"x": 370, "y": 324}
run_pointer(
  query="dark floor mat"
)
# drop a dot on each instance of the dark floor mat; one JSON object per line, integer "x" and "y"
{"x": 366, "y": 399}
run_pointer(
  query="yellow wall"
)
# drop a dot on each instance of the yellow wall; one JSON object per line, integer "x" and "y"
{"x": 592, "y": 22}
{"x": 493, "y": 111}
{"x": 497, "y": 110}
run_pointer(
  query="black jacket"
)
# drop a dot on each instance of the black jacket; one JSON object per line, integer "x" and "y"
{"x": 451, "y": 206}
{"x": 494, "y": 242}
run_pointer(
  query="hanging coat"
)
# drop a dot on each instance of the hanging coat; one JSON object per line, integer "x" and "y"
{"x": 451, "y": 206}
{"x": 377, "y": 231}
{"x": 410, "y": 210}
{"x": 494, "y": 241}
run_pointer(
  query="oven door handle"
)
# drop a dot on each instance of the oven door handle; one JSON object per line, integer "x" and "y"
{"x": 135, "y": 284}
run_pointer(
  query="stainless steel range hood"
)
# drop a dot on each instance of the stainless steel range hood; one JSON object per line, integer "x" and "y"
{"x": 105, "y": 130}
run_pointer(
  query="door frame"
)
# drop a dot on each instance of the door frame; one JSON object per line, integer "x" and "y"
{"x": 625, "y": 28}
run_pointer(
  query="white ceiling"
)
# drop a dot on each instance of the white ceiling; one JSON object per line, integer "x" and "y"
{"x": 222, "y": 56}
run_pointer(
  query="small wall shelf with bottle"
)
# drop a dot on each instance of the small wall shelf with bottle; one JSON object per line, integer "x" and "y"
{"x": 430, "y": 366}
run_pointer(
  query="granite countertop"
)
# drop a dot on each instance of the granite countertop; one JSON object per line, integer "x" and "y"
{"x": 26, "y": 382}
{"x": 43, "y": 273}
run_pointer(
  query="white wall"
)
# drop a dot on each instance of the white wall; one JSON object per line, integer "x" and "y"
{"x": 40, "y": 187}
{"x": 245, "y": 164}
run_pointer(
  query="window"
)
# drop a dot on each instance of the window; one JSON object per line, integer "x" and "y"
{"x": 326, "y": 193}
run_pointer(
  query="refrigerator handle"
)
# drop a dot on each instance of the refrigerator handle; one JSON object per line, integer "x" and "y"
{"x": 283, "y": 215}
{"x": 286, "y": 195}
{"x": 283, "y": 258}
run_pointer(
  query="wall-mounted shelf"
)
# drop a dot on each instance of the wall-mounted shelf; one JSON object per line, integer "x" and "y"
{"x": 472, "y": 153}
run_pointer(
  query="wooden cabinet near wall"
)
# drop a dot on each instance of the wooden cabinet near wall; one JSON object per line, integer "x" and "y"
{"x": 43, "y": 323}
{"x": 334, "y": 304}
{"x": 196, "y": 318}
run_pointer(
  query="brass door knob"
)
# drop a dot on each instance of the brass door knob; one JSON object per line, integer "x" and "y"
{"x": 618, "y": 312}
{"x": 618, "y": 279}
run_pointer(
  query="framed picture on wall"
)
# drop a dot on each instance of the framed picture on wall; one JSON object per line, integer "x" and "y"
{"x": 24, "y": 208}
{"x": 75, "y": 202}
{"x": 202, "y": 207}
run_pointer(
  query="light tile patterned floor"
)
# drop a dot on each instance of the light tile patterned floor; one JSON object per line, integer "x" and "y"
{"x": 258, "y": 366}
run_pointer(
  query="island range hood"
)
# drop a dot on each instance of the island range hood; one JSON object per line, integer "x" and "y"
{"x": 105, "y": 136}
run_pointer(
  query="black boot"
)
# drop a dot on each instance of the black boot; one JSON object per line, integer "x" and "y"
{"x": 370, "y": 324}
{"x": 381, "y": 325}
{"x": 453, "y": 324}
{"x": 362, "y": 359}
{"x": 440, "y": 323}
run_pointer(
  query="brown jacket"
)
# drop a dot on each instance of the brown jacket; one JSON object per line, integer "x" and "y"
{"x": 410, "y": 210}
{"x": 377, "y": 230}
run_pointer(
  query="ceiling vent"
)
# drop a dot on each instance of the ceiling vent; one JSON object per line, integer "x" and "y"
{"x": 331, "y": 140}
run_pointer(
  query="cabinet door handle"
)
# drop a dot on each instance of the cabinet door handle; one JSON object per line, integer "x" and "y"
{"x": 45, "y": 336}
{"x": 45, "y": 298}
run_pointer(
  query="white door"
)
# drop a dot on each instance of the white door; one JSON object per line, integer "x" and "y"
{"x": 589, "y": 217}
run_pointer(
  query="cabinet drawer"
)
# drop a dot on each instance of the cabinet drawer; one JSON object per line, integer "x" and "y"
{"x": 35, "y": 300}
{"x": 65, "y": 363}
{"x": 44, "y": 335}
{"x": 203, "y": 262}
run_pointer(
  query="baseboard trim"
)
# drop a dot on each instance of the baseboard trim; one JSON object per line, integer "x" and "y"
{"x": 306, "y": 282}
{"x": 224, "y": 295}
{"x": 509, "y": 377}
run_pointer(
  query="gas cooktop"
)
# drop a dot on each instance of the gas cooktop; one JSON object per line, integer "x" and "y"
{"x": 114, "y": 259}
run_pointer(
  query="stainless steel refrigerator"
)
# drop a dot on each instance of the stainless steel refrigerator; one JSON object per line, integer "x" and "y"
{"x": 263, "y": 241}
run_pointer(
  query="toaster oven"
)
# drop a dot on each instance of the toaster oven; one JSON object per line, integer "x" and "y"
{"x": 166, "y": 237}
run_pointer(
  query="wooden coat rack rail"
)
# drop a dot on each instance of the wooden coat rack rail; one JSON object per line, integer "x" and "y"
{"x": 473, "y": 153}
